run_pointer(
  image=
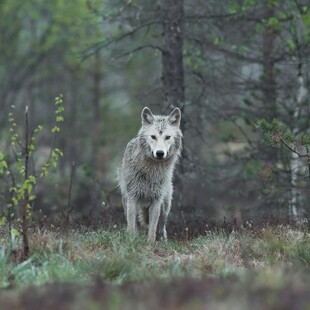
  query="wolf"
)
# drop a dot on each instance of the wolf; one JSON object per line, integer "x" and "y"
{"x": 146, "y": 171}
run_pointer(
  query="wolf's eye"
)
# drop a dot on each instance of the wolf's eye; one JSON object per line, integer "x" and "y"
{"x": 153, "y": 137}
{"x": 168, "y": 137}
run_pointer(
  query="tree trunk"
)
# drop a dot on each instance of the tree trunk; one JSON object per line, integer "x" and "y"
{"x": 268, "y": 77}
{"x": 294, "y": 167}
{"x": 294, "y": 192}
{"x": 172, "y": 58}
{"x": 269, "y": 103}
{"x": 173, "y": 73}
{"x": 96, "y": 75}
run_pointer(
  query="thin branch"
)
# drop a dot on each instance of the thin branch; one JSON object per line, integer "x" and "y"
{"x": 293, "y": 150}
{"x": 247, "y": 17}
{"x": 11, "y": 205}
{"x": 224, "y": 49}
{"x": 94, "y": 49}
{"x": 27, "y": 65}
{"x": 139, "y": 48}
{"x": 25, "y": 201}
{"x": 199, "y": 17}
{"x": 69, "y": 206}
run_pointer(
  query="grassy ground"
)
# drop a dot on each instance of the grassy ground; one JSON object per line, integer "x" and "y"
{"x": 265, "y": 269}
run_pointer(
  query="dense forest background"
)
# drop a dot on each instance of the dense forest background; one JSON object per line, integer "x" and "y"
{"x": 227, "y": 64}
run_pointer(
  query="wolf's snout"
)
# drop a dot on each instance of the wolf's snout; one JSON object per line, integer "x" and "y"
{"x": 160, "y": 154}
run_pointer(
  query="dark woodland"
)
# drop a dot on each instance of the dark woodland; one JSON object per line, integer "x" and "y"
{"x": 74, "y": 77}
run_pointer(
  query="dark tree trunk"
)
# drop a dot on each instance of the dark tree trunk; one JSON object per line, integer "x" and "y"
{"x": 270, "y": 155}
{"x": 173, "y": 74}
{"x": 96, "y": 75}
{"x": 172, "y": 59}
{"x": 268, "y": 77}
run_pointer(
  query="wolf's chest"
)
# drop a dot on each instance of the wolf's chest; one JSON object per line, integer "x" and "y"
{"x": 147, "y": 185}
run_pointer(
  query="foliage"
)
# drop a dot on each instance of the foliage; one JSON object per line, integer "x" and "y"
{"x": 274, "y": 132}
{"x": 277, "y": 133}
{"x": 24, "y": 177}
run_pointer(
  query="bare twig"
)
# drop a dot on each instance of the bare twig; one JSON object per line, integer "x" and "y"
{"x": 26, "y": 194}
{"x": 139, "y": 48}
{"x": 197, "y": 17}
{"x": 94, "y": 49}
{"x": 69, "y": 206}
{"x": 294, "y": 150}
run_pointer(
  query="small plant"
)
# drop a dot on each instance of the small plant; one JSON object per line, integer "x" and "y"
{"x": 303, "y": 253}
{"x": 23, "y": 174}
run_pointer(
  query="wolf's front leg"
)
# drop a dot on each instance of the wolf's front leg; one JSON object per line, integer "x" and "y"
{"x": 131, "y": 216}
{"x": 154, "y": 212}
{"x": 164, "y": 215}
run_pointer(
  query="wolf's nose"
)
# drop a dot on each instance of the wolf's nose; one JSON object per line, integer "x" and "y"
{"x": 160, "y": 154}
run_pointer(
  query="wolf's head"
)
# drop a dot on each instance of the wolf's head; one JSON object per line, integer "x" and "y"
{"x": 161, "y": 136}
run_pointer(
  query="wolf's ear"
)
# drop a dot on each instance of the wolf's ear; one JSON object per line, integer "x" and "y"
{"x": 147, "y": 116}
{"x": 175, "y": 117}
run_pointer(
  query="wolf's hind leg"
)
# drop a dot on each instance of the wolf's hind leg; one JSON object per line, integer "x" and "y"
{"x": 131, "y": 214}
{"x": 162, "y": 226}
{"x": 124, "y": 201}
{"x": 143, "y": 215}
{"x": 154, "y": 212}
{"x": 163, "y": 217}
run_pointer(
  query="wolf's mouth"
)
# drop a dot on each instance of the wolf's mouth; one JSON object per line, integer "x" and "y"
{"x": 158, "y": 158}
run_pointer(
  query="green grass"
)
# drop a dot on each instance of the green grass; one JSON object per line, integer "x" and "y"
{"x": 80, "y": 256}
{"x": 274, "y": 260}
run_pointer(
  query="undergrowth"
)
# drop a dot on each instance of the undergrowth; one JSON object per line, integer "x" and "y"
{"x": 81, "y": 256}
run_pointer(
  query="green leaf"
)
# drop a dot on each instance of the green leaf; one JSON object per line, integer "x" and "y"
{"x": 3, "y": 221}
{"x": 55, "y": 129}
{"x": 14, "y": 233}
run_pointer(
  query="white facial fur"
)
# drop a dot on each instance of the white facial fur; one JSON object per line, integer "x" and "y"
{"x": 159, "y": 131}
{"x": 160, "y": 143}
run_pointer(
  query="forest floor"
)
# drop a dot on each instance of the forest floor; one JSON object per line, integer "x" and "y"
{"x": 98, "y": 269}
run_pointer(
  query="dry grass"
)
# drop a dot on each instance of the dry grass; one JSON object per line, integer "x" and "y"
{"x": 225, "y": 268}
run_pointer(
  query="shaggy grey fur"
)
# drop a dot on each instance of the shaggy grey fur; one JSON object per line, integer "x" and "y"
{"x": 146, "y": 171}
